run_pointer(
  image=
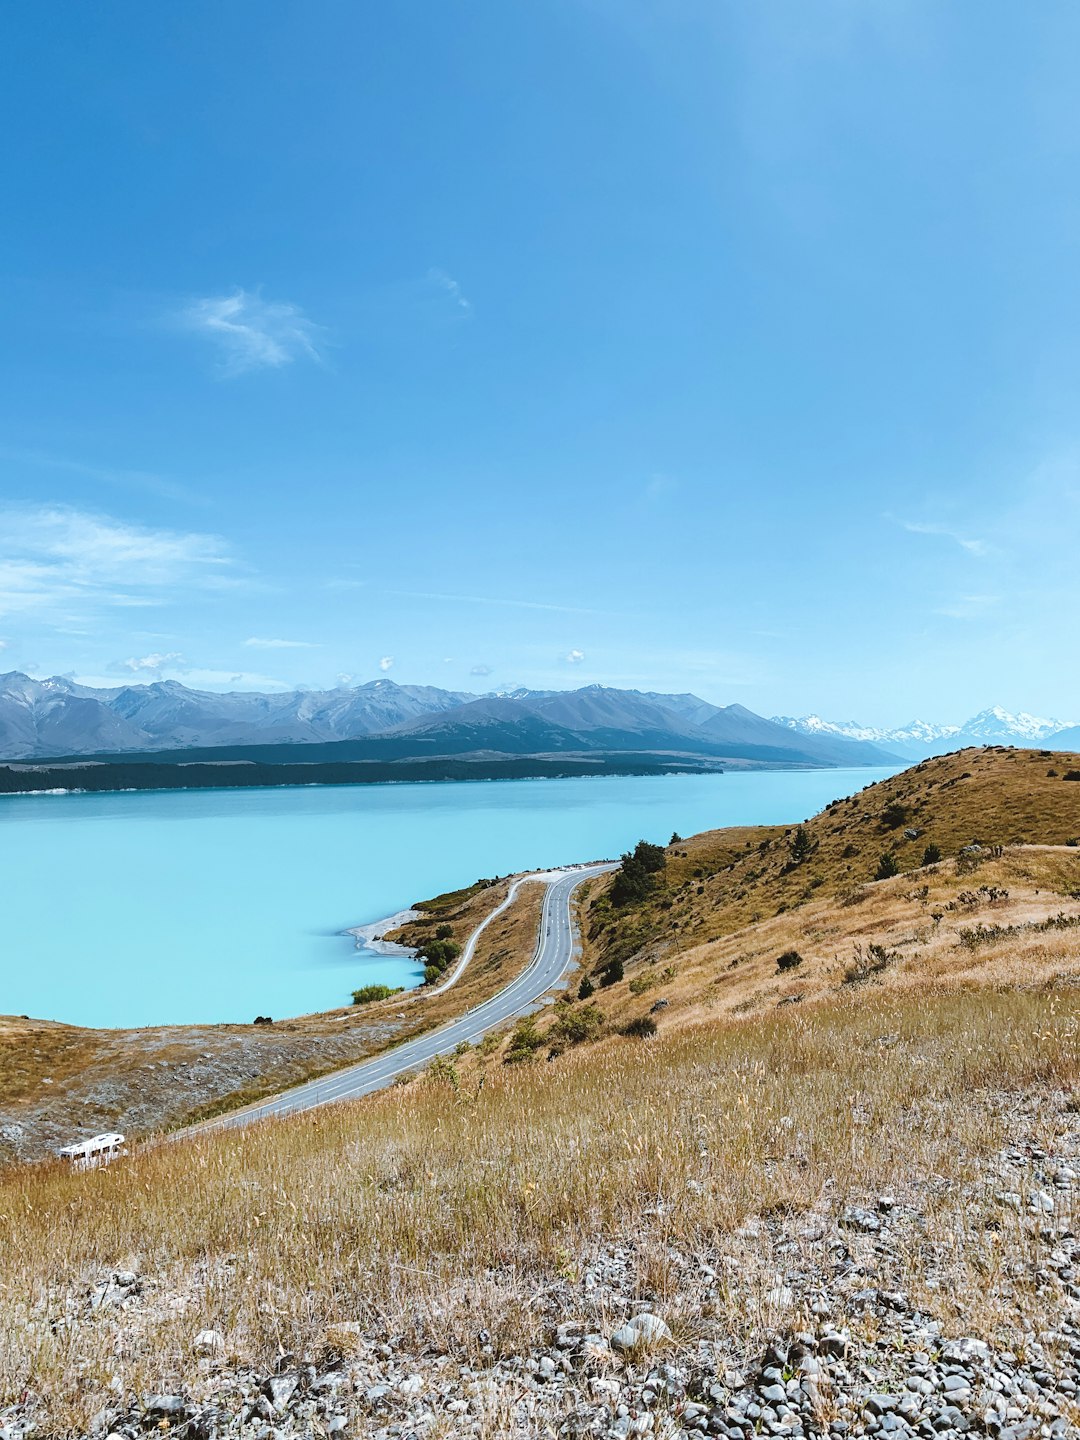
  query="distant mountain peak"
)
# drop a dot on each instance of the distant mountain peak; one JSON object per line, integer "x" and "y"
{"x": 920, "y": 738}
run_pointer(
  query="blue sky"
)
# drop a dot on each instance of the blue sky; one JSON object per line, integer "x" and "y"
{"x": 709, "y": 346}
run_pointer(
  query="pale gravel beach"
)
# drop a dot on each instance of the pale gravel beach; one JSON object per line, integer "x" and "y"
{"x": 367, "y": 936}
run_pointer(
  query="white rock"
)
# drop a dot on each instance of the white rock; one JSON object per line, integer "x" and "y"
{"x": 641, "y": 1332}
{"x": 208, "y": 1344}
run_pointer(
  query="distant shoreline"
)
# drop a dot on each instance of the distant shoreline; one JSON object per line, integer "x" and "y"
{"x": 89, "y": 776}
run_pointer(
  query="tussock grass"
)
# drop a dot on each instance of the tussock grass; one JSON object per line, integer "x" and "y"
{"x": 429, "y": 1211}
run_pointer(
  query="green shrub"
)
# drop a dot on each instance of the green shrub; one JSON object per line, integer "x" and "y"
{"x": 932, "y": 854}
{"x": 586, "y": 988}
{"x": 525, "y": 1040}
{"x": 578, "y": 1024}
{"x": 439, "y": 953}
{"x": 635, "y": 879}
{"x": 887, "y": 866}
{"x": 368, "y": 994}
{"x": 612, "y": 974}
{"x": 789, "y": 960}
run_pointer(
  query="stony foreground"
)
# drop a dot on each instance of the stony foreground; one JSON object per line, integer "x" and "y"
{"x": 838, "y": 1345}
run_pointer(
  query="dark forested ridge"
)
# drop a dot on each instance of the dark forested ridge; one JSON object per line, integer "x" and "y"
{"x": 142, "y": 774}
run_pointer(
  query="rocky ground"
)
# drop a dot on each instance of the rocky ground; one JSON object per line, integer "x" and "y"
{"x": 142, "y": 1081}
{"x": 851, "y": 1329}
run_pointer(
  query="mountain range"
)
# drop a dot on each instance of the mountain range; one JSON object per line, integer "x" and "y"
{"x": 920, "y": 738}
{"x": 385, "y": 721}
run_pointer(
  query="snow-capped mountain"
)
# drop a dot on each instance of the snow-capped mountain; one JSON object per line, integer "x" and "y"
{"x": 46, "y": 718}
{"x": 920, "y": 738}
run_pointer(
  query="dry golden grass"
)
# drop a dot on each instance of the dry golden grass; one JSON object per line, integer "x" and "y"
{"x": 428, "y": 1210}
{"x": 919, "y": 919}
{"x": 723, "y": 880}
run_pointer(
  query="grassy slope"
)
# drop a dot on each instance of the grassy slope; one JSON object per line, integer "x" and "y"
{"x": 406, "y": 1211}
{"x": 724, "y": 880}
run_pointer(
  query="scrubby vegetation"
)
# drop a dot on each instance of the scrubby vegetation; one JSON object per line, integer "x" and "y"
{"x": 369, "y": 994}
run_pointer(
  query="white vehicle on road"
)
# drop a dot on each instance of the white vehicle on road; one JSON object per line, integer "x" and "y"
{"x": 98, "y": 1150}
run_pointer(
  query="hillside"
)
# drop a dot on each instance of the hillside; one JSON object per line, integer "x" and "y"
{"x": 722, "y": 880}
{"x": 831, "y": 1198}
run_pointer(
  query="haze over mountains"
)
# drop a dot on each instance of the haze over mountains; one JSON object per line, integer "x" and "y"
{"x": 382, "y": 720}
{"x": 920, "y": 738}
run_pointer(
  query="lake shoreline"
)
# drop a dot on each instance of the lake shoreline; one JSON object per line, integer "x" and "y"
{"x": 249, "y": 894}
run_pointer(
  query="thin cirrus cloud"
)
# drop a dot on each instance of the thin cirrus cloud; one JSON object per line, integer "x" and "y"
{"x": 251, "y": 333}
{"x": 258, "y": 642}
{"x": 481, "y": 670}
{"x": 55, "y": 557}
{"x": 969, "y": 543}
{"x": 450, "y": 287}
{"x": 494, "y": 600}
{"x": 968, "y": 607}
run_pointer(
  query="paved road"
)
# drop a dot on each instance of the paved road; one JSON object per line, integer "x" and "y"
{"x": 554, "y": 951}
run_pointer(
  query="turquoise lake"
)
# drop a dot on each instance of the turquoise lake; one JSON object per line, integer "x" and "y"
{"x": 182, "y": 906}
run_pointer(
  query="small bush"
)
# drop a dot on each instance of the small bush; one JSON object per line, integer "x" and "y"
{"x": 612, "y": 974}
{"x": 868, "y": 962}
{"x": 525, "y": 1041}
{"x": 789, "y": 960}
{"x": 443, "y": 1071}
{"x": 1071, "y": 775}
{"x": 444, "y": 932}
{"x": 641, "y": 983}
{"x": 368, "y": 994}
{"x": 887, "y": 866}
{"x": 893, "y": 816}
{"x": 586, "y": 988}
{"x": 641, "y": 1028}
{"x": 932, "y": 854}
{"x": 577, "y": 1024}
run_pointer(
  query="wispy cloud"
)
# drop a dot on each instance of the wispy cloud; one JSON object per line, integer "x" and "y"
{"x": 257, "y": 642}
{"x": 386, "y": 663}
{"x": 968, "y": 607}
{"x": 191, "y": 675}
{"x": 449, "y": 286}
{"x": 495, "y": 600}
{"x": 252, "y": 333}
{"x": 55, "y": 557}
{"x": 144, "y": 480}
{"x": 972, "y": 545}
{"x": 574, "y": 657}
{"x": 153, "y": 663}
{"x": 481, "y": 670}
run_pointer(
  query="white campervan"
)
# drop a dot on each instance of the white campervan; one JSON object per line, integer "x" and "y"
{"x": 89, "y": 1154}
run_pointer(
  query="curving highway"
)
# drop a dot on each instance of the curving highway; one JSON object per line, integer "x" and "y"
{"x": 554, "y": 952}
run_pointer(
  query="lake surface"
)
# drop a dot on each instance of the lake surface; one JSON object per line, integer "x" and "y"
{"x": 183, "y": 906}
